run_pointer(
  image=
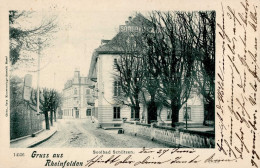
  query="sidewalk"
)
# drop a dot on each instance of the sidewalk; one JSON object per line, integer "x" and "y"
{"x": 30, "y": 142}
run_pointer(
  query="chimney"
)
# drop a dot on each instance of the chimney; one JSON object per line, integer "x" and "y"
{"x": 104, "y": 41}
{"x": 130, "y": 18}
{"x": 76, "y": 73}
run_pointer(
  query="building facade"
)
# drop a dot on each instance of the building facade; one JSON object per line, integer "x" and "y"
{"x": 107, "y": 112}
{"x": 75, "y": 95}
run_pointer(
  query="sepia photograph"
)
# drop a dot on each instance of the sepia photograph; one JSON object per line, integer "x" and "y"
{"x": 119, "y": 83}
{"x": 138, "y": 79}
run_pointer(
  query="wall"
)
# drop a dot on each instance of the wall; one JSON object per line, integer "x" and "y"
{"x": 24, "y": 122}
{"x": 105, "y": 79}
{"x": 171, "y": 136}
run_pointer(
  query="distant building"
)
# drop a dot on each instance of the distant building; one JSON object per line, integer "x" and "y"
{"x": 75, "y": 95}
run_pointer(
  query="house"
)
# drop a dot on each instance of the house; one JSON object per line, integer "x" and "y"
{"x": 106, "y": 111}
{"x": 106, "y": 87}
{"x": 75, "y": 95}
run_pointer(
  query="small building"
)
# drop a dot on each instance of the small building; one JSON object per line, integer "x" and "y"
{"x": 75, "y": 95}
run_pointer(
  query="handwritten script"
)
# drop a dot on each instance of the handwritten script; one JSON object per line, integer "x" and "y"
{"x": 154, "y": 157}
{"x": 237, "y": 82}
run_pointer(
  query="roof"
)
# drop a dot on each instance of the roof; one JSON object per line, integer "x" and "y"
{"x": 111, "y": 46}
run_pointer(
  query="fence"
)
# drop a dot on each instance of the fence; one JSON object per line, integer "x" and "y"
{"x": 171, "y": 136}
{"x": 24, "y": 122}
{"x": 197, "y": 139}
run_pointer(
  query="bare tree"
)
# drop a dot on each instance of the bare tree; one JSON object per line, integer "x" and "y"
{"x": 55, "y": 102}
{"x": 129, "y": 67}
{"x": 44, "y": 105}
{"x": 207, "y": 59}
{"x": 170, "y": 55}
{"x": 201, "y": 27}
{"x": 151, "y": 86}
{"x": 24, "y": 39}
{"x": 134, "y": 70}
{"x": 49, "y": 102}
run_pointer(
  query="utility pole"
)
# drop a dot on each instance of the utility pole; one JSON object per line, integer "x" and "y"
{"x": 38, "y": 76}
{"x": 79, "y": 95}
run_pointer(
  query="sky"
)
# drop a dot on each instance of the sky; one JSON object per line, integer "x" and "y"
{"x": 72, "y": 45}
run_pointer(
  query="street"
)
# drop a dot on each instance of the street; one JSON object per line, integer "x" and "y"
{"x": 78, "y": 133}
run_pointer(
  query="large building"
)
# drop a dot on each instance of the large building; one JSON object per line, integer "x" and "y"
{"x": 107, "y": 111}
{"x": 75, "y": 95}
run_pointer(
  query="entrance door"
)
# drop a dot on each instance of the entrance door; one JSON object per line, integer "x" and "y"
{"x": 152, "y": 112}
{"x": 77, "y": 114}
{"x": 88, "y": 112}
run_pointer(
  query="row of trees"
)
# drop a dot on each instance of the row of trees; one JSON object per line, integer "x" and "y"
{"x": 49, "y": 100}
{"x": 172, "y": 55}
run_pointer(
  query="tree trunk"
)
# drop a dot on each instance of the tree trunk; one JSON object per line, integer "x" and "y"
{"x": 137, "y": 112}
{"x": 51, "y": 118}
{"x": 55, "y": 116}
{"x": 46, "y": 120}
{"x": 152, "y": 111}
{"x": 209, "y": 110}
{"x": 175, "y": 113}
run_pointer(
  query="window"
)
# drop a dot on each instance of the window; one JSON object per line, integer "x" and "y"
{"x": 188, "y": 115}
{"x": 128, "y": 40}
{"x": 132, "y": 112}
{"x": 116, "y": 112}
{"x": 134, "y": 44}
{"x": 169, "y": 114}
{"x": 134, "y": 115}
{"x": 75, "y": 91}
{"x": 131, "y": 41}
{"x": 117, "y": 88}
{"x": 88, "y": 91}
{"x": 115, "y": 63}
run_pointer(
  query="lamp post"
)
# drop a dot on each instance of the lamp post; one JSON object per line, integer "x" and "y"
{"x": 186, "y": 118}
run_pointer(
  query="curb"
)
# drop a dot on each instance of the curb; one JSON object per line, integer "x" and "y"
{"x": 17, "y": 139}
{"x": 112, "y": 128}
{"x": 41, "y": 141}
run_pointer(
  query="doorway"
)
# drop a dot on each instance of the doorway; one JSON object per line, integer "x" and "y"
{"x": 77, "y": 113}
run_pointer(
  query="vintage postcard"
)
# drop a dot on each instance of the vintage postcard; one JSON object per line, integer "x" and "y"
{"x": 129, "y": 83}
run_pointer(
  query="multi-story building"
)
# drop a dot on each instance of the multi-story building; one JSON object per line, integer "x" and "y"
{"x": 75, "y": 95}
{"x": 107, "y": 111}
